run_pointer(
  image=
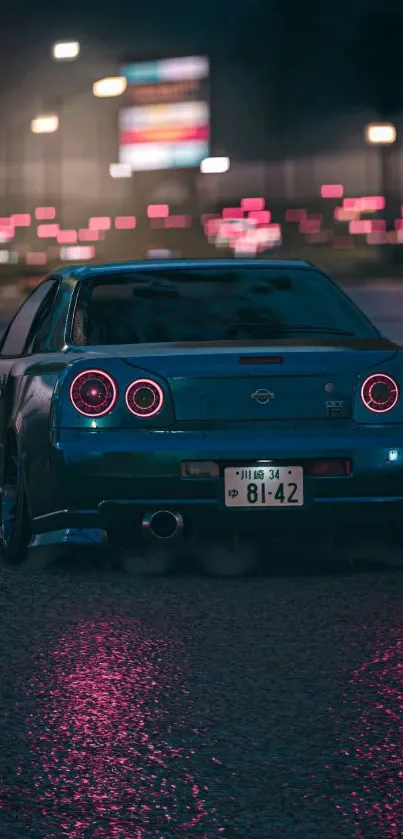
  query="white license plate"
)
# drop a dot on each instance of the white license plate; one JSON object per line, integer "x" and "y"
{"x": 264, "y": 486}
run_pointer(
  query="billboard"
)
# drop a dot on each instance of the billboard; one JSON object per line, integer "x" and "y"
{"x": 167, "y": 123}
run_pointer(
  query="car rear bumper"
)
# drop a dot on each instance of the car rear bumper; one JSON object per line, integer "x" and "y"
{"x": 107, "y": 481}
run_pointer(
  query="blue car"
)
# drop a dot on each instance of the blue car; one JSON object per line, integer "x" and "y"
{"x": 164, "y": 408}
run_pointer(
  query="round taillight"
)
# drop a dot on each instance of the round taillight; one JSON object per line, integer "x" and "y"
{"x": 144, "y": 398}
{"x": 379, "y": 393}
{"x": 93, "y": 393}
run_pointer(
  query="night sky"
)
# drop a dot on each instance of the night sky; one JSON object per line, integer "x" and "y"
{"x": 122, "y": 22}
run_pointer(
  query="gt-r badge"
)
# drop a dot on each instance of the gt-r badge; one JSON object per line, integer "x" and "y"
{"x": 335, "y": 408}
{"x": 262, "y": 396}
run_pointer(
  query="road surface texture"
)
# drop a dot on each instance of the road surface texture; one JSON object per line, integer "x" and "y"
{"x": 190, "y": 707}
{"x": 180, "y": 707}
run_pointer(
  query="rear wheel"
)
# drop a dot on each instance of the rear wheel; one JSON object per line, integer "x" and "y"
{"x": 15, "y": 522}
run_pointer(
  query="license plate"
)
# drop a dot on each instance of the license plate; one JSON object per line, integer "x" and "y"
{"x": 264, "y": 486}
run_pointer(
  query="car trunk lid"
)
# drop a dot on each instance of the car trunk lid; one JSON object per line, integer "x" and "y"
{"x": 261, "y": 383}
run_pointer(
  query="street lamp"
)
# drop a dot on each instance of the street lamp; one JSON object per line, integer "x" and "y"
{"x": 65, "y": 50}
{"x": 214, "y": 165}
{"x": 111, "y": 86}
{"x": 120, "y": 170}
{"x": 380, "y": 134}
{"x": 45, "y": 124}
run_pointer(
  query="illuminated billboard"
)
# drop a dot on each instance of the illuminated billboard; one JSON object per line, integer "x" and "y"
{"x": 167, "y": 123}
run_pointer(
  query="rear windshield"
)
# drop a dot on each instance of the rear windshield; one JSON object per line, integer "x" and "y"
{"x": 213, "y": 304}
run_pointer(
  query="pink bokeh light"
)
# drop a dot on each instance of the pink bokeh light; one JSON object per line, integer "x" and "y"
{"x": 100, "y": 223}
{"x": 125, "y": 222}
{"x": 158, "y": 211}
{"x": 252, "y": 204}
{"x": 67, "y": 237}
{"x": 47, "y": 231}
{"x": 332, "y": 190}
{"x": 45, "y": 213}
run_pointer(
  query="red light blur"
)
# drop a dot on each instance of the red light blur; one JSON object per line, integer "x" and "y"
{"x": 45, "y": 213}
{"x": 368, "y": 204}
{"x": 38, "y": 258}
{"x": 232, "y": 212}
{"x": 47, "y": 231}
{"x": 125, "y": 222}
{"x": 178, "y": 221}
{"x": 295, "y": 215}
{"x": 378, "y": 225}
{"x": 261, "y": 216}
{"x": 158, "y": 210}
{"x": 310, "y": 225}
{"x": 332, "y": 190}
{"x": 20, "y": 220}
{"x": 86, "y": 235}
{"x": 6, "y": 233}
{"x": 100, "y": 223}
{"x": 360, "y": 226}
{"x": 206, "y": 217}
{"x": 253, "y": 204}
{"x": 67, "y": 237}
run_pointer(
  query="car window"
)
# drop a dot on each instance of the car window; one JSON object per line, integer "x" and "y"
{"x": 40, "y": 327}
{"x": 15, "y": 338}
{"x": 214, "y": 304}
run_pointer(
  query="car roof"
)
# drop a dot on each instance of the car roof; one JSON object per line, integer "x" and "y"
{"x": 84, "y": 272}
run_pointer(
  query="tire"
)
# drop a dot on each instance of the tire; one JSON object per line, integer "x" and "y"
{"x": 15, "y": 519}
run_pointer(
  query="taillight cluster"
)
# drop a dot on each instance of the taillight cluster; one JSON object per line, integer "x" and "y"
{"x": 94, "y": 393}
{"x": 379, "y": 393}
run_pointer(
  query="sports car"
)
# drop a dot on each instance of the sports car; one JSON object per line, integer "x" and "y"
{"x": 183, "y": 405}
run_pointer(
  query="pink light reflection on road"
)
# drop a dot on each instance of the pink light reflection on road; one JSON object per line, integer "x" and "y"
{"x": 372, "y": 754}
{"x": 107, "y": 740}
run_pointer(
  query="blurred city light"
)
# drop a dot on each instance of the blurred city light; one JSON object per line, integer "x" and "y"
{"x": 232, "y": 212}
{"x": 295, "y": 215}
{"x": 157, "y": 210}
{"x": 8, "y": 257}
{"x": 253, "y": 204}
{"x": 67, "y": 237}
{"x": 36, "y": 258}
{"x": 167, "y": 70}
{"x": 47, "y": 231}
{"x": 45, "y": 124}
{"x": 100, "y": 223}
{"x": 383, "y": 133}
{"x": 178, "y": 221}
{"x": 76, "y": 253}
{"x": 125, "y": 222}
{"x": 65, "y": 50}
{"x": 87, "y": 235}
{"x": 261, "y": 216}
{"x": 214, "y": 165}
{"x": 332, "y": 190}
{"x": 45, "y": 213}
{"x": 20, "y": 220}
{"x": 111, "y": 86}
{"x": 120, "y": 170}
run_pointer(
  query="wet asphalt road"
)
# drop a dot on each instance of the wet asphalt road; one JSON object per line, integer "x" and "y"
{"x": 191, "y": 707}
{"x": 194, "y": 707}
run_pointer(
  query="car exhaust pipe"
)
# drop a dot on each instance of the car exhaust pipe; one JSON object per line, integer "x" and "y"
{"x": 162, "y": 526}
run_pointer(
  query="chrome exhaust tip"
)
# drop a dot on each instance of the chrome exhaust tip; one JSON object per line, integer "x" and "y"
{"x": 162, "y": 526}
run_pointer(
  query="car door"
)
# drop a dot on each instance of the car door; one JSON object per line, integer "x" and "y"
{"x": 13, "y": 343}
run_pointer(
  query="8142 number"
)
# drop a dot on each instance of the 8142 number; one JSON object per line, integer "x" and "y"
{"x": 284, "y": 494}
